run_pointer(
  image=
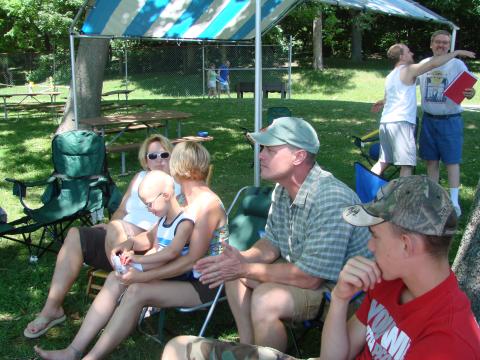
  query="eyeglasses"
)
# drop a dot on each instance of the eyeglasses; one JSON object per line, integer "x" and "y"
{"x": 150, "y": 203}
{"x": 154, "y": 155}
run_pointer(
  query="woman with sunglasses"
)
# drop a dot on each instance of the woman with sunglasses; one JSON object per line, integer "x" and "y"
{"x": 170, "y": 285}
{"x": 93, "y": 245}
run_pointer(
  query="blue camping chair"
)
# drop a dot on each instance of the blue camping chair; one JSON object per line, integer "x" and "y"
{"x": 367, "y": 183}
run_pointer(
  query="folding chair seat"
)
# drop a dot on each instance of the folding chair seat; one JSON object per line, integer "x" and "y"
{"x": 367, "y": 183}
{"x": 276, "y": 112}
{"x": 251, "y": 205}
{"x": 79, "y": 188}
{"x": 368, "y": 145}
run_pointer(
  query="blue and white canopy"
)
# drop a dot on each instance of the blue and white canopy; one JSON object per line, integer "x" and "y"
{"x": 232, "y": 20}
{"x": 402, "y": 8}
{"x": 225, "y": 20}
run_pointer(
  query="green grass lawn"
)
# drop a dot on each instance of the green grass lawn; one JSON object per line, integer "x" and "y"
{"x": 337, "y": 102}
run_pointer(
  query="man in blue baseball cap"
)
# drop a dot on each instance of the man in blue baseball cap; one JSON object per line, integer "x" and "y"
{"x": 305, "y": 245}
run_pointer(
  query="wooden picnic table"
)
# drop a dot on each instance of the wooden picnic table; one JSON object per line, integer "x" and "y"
{"x": 118, "y": 93}
{"x": 33, "y": 95}
{"x": 149, "y": 119}
{"x": 267, "y": 87}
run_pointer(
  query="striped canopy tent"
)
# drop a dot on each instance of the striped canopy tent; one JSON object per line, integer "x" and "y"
{"x": 215, "y": 20}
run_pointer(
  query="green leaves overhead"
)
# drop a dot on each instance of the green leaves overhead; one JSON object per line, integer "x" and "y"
{"x": 35, "y": 25}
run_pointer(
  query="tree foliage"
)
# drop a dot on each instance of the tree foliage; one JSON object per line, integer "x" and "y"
{"x": 42, "y": 26}
{"x": 379, "y": 30}
{"x": 35, "y": 25}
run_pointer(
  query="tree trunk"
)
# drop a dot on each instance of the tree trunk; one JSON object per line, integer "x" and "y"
{"x": 466, "y": 265}
{"x": 356, "y": 37}
{"x": 89, "y": 69}
{"x": 317, "y": 43}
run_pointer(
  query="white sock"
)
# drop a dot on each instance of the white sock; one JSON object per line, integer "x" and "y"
{"x": 454, "y": 196}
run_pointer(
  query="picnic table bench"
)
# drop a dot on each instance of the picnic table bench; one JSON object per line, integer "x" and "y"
{"x": 121, "y": 123}
{"x": 118, "y": 93}
{"x": 32, "y": 95}
{"x": 267, "y": 87}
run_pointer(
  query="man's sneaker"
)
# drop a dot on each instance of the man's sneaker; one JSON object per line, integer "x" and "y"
{"x": 458, "y": 211}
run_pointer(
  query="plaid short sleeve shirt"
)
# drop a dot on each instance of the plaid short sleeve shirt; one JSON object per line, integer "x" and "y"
{"x": 310, "y": 231}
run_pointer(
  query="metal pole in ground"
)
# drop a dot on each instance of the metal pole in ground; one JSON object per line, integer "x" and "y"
{"x": 290, "y": 67}
{"x": 258, "y": 86}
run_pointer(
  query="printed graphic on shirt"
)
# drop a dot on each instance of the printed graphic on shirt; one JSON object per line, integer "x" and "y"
{"x": 436, "y": 83}
{"x": 384, "y": 339}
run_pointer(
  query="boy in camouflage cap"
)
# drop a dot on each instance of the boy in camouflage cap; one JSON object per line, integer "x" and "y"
{"x": 413, "y": 308}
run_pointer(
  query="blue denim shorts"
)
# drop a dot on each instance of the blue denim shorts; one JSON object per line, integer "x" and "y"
{"x": 441, "y": 138}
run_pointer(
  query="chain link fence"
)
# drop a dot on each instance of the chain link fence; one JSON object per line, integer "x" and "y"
{"x": 159, "y": 70}
{"x": 34, "y": 68}
{"x": 173, "y": 70}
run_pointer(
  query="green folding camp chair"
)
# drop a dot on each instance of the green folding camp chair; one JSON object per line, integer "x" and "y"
{"x": 250, "y": 205}
{"x": 276, "y": 112}
{"x": 79, "y": 188}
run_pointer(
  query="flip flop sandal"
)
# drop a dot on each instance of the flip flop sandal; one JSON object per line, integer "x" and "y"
{"x": 48, "y": 324}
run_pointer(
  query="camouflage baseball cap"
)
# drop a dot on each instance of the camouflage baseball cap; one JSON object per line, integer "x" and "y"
{"x": 415, "y": 203}
{"x": 288, "y": 130}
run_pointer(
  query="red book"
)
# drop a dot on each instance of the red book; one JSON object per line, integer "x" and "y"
{"x": 454, "y": 91}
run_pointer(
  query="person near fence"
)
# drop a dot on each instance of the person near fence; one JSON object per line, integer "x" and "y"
{"x": 92, "y": 245}
{"x": 212, "y": 81}
{"x": 224, "y": 78}
{"x": 305, "y": 244}
{"x": 399, "y": 116}
{"x": 165, "y": 286}
{"x": 441, "y": 136}
{"x": 413, "y": 308}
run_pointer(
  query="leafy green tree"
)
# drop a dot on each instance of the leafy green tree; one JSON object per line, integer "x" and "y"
{"x": 35, "y": 25}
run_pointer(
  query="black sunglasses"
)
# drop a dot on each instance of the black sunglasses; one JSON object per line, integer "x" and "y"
{"x": 154, "y": 155}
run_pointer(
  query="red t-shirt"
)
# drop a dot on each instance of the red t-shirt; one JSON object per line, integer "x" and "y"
{"x": 437, "y": 325}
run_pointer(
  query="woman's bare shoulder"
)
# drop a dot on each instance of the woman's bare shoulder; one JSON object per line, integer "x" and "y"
{"x": 206, "y": 201}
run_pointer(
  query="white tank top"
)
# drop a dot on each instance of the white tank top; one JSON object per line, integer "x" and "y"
{"x": 166, "y": 232}
{"x": 401, "y": 99}
{"x": 137, "y": 212}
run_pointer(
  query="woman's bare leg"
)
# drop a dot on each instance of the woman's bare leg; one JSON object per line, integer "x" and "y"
{"x": 68, "y": 265}
{"x": 116, "y": 234}
{"x": 160, "y": 294}
{"x": 98, "y": 315}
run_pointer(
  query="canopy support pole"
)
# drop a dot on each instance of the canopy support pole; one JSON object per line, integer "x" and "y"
{"x": 258, "y": 87}
{"x": 126, "y": 67}
{"x": 290, "y": 67}
{"x": 74, "y": 82}
{"x": 454, "y": 36}
{"x": 203, "y": 70}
